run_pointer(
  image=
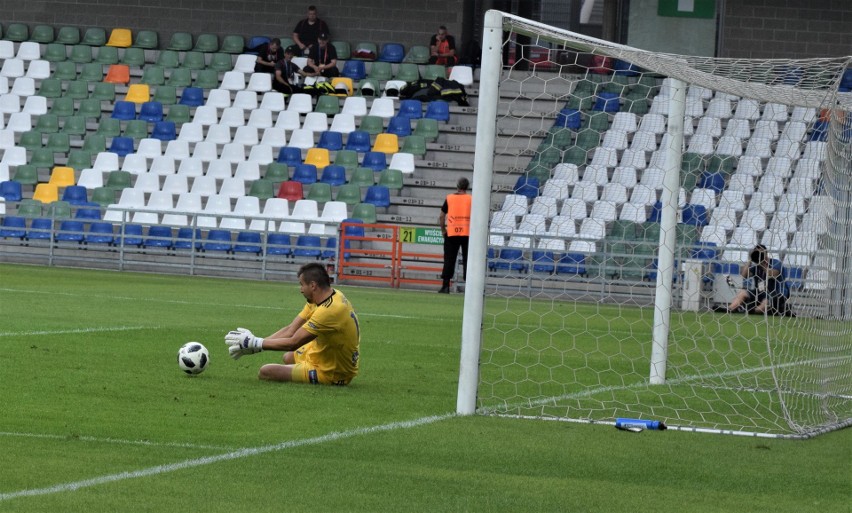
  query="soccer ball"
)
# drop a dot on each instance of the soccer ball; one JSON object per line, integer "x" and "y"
{"x": 193, "y": 358}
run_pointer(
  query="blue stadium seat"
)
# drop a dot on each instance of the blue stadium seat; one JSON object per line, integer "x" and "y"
{"x": 88, "y": 212}
{"x": 359, "y": 141}
{"x": 543, "y": 261}
{"x": 99, "y": 233}
{"x": 290, "y": 156}
{"x": 131, "y": 236}
{"x": 75, "y": 194}
{"x": 625, "y": 68}
{"x": 184, "y": 238}
{"x": 248, "y": 242}
{"x": 308, "y": 246}
{"x": 569, "y": 118}
{"x": 305, "y": 174}
{"x": 356, "y": 70}
{"x": 511, "y": 259}
{"x": 375, "y": 160}
{"x": 656, "y": 212}
{"x": 400, "y": 125}
{"x": 121, "y": 146}
{"x": 278, "y": 244}
{"x": 392, "y": 52}
{"x": 571, "y": 263}
{"x": 526, "y": 186}
{"x": 352, "y": 230}
{"x": 331, "y": 141}
{"x": 13, "y": 227}
{"x": 218, "y": 240}
{"x": 378, "y": 195}
{"x": 151, "y": 111}
{"x": 330, "y": 250}
{"x": 124, "y": 110}
{"x": 438, "y": 109}
{"x": 40, "y": 228}
{"x": 192, "y": 97}
{"x": 164, "y": 131}
{"x": 254, "y": 43}
{"x": 158, "y": 237}
{"x": 712, "y": 180}
{"x": 11, "y": 190}
{"x": 695, "y": 215}
{"x": 334, "y": 175}
{"x": 412, "y": 109}
{"x": 607, "y": 102}
{"x": 70, "y": 231}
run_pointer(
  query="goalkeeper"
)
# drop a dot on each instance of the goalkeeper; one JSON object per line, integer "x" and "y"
{"x": 321, "y": 344}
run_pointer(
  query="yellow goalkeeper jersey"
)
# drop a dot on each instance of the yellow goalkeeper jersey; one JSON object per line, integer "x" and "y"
{"x": 334, "y": 352}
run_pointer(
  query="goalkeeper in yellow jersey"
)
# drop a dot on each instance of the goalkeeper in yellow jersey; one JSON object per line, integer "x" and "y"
{"x": 321, "y": 343}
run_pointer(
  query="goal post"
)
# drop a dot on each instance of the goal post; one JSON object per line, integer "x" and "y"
{"x": 616, "y": 195}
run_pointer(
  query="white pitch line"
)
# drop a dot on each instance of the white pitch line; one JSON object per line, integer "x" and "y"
{"x": 78, "y": 330}
{"x": 147, "y": 443}
{"x": 209, "y": 460}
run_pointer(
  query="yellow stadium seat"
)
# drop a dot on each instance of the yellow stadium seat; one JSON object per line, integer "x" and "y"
{"x": 46, "y": 193}
{"x": 386, "y": 143}
{"x": 62, "y": 176}
{"x": 120, "y": 37}
{"x": 346, "y": 81}
{"x": 319, "y": 157}
{"x": 138, "y": 93}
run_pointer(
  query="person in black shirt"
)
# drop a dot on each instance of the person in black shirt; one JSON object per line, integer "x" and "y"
{"x": 322, "y": 59}
{"x": 287, "y": 73}
{"x": 762, "y": 284}
{"x": 268, "y": 55}
{"x": 307, "y": 31}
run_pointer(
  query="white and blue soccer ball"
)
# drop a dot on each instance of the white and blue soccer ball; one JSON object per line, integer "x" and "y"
{"x": 193, "y": 358}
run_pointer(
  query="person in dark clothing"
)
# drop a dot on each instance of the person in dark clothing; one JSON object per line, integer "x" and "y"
{"x": 307, "y": 31}
{"x": 454, "y": 220}
{"x": 287, "y": 73}
{"x": 268, "y": 56}
{"x": 762, "y": 285}
{"x": 322, "y": 60}
{"x": 442, "y": 48}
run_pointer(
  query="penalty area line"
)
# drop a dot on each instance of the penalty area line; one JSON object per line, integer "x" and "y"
{"x": 76, "y": 331}
{"x": 209, "y": 460}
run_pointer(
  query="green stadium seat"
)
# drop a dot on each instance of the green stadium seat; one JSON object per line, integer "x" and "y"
{"x": 180, "y": 42}
{"x": 42, "y": 158}
{"x": 62, "y": 107}
{"x": 74, "y": 125}
{"x": 42, "y": 34}
{"x": 165, "y": 94}
{"x": 47, "y": 123}
{"x": 103, "y": 196}
{"x": 221, "y": 62}
{"x": 366, "y": 212}
{"x": 417, "y": 55}
{"x": 92, "y": 72}
{"x": 153, "y": 75}
{"x": 59, "y": 142}
{"x": 17, "y": 32}
{"x": 56, "y": 52}
{"x": 328, "y": 104}
{"x": 30, "y": 208}
{"x": 391, "y": 178}
{"x": 277, "y": 172}
{"x": 81, "y": 54}
{"x": 136, "y": 128}
{"x": 207, "y": 79}
{"x": 365, "y": 51}
{"x": 109, "y": 127}
{"x": 68, "y": 36}
{"x": 50, "y": 88}
{"x": 77, "y": 90}
{"x": 346, "y": 158}
{"x": 349, "y": 193}
{"x": 380, "y": 70}
{"x": 90, "y": 108}
{"x": 427, "y": 128}
{"x": 94, "y": 36}
{"x": 107, "y": 55}
{"x": 193, "y": 60}
{"x": 103, "y": 91}
{"x": 407, "y": 72}
{"x": 433, "y": 71}
{"x": 180, "y": 77}
{"x": 362, "y": 178}
{"x": 94, "y": 143}
{"x": 263, "y": 189}
{"x": 234, "y": 44}
{"x": 118, "y": 180}
{"x": 207, "y": 43}
{"x": 31, "y": 140}
{"x": 179, "y": 114}
{"x": 133, "y": 56}
{"x": 79, "y": 159}
{"x": 26, "y": 174}
{"x": 372, "y": 124}
{"x": 146, "y": 39}
{"x": 414, "y": 144}
{"x": 319, "y": 192}
{"x": 168, "y": 59}
{"x": 344, "y": 52}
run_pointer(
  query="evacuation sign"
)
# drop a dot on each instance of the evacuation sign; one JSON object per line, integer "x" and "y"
{"x": 421, "y": 235}
{"x": 687, "y": 8}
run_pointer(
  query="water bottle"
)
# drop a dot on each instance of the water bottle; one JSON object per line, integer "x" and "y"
{"x": 638, "y": 424}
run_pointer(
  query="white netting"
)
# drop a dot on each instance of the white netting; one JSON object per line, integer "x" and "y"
{"x": 580, "y": 154}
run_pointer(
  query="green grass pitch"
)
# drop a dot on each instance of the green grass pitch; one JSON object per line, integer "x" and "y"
{"x": 97, "y": 417}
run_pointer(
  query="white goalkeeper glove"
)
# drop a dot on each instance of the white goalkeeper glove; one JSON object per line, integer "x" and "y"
{"x": 242, "y": 341}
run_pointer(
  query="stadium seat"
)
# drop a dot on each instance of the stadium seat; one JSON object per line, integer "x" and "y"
{"x": 365, "y": 212}
{"x": 392, "y": 52}
{"x": 180, "y": 41}
{"x": 438, "y": 110}
{"x": 207, "y": 43}
{"x": 378, "y": 195}
{"x": 331, "y": 141}
{"x": 359, "y": 141}
{"x": 386, "y": 143}
{"x": 375, "y": 160}
{"x": 398, "y": 126}
{"x": 192, "y": 97}
{"x": 94, "y": 36}
{"x": 305, "y": 174}
{"x": 417, "y": 54}
{"x": 68, "y": 35}
{"x": 233, "y": 44}
{"x": 42, "y": 34}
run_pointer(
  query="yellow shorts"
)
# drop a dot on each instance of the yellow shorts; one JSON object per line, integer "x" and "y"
{"x": 304, "y": 372}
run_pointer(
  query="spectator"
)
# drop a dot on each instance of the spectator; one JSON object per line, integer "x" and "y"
{"x": 268, "y": 55}
{"x": 763, "y": 287}
{"x": 322, "y": 59}
{"x": 442, "y": 48}
{"x": 454, "y": 220}
{"x": 307, "y": 31}
{"x": 287, "y": 73}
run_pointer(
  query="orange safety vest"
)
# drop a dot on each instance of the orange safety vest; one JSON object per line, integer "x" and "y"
{"x": 458, "y": 215}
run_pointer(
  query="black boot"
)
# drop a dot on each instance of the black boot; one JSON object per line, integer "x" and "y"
{"x": 445, "y": 288}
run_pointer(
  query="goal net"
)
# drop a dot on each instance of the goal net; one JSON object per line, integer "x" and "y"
{"x": 627, "y": 191}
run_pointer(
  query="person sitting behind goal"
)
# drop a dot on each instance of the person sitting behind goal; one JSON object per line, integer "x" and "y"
{"x": 763, "y": 289}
